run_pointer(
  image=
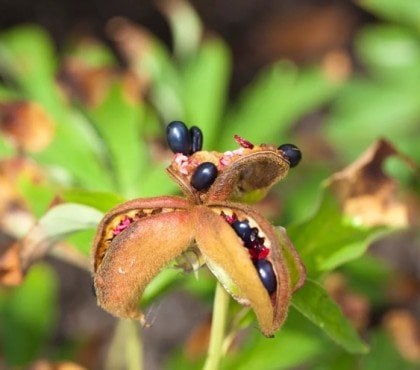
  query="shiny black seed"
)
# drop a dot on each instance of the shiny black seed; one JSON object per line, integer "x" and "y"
{"x": 243, "y": 230}
{"x": 196, "y": 138}
{"x": 204, "y": 176}
{"x": 178, "y": 137}
{"x": 266, "y": 274}
{"x": 292, "y": 153}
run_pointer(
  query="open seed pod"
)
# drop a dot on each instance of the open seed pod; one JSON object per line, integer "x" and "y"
{"x": 245, "y": 174}
{"x": 255, "y": 262}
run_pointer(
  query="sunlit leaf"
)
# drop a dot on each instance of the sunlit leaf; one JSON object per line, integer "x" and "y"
{"x": 100, "y": 200}
{"x": 314, "y": 303}
{"x": 67, "y": 218}
{"x": 28, "y": 314}
{"x": 328, "y": 238}
{"x": 56, "y": 225}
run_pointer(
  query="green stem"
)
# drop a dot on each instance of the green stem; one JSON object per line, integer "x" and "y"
{"x": 220, "y": 309}
{"x": 125, "y": 351}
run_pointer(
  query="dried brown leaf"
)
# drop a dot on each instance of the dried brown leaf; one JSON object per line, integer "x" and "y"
{"x": 404, "y": 329}
{"x": 367, "y": 193}
{"x": 10, "y": 266}
{"x": 47, "y": 365}
{"x": 27, "y": 124}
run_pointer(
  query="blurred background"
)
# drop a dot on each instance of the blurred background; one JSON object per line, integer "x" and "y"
{"x": 86, "y": 90}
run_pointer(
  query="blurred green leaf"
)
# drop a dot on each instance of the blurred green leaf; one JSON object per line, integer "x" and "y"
{"x": 28, "y": 314}
{"x": 366, "y": 111}
{"x": 296, "y": 343}
{"x": 93, "y": 53}
{"x": 390, "y": 52}
{"x": 5, "y": 147}
{"x": 185, "y": 25}
{"x": 99, "y": 200}
{"x": 161, "y": 284}
{"x": 157, "y": 182}
{"x": 27, "y": 55}
{"x": 328, "y": 239}
{"x": 276, "y": 99}
{"x": 370, "y": 276}
{"x": 165, "y": 93}
{"x": 65, "y": 219}
{"x": 315, "y": 304}
{"x": 37, "y": 195}
{"x": 405, "y": 12}
{"x": 118, "y": 122}
{"x": 205, "y": 79}
{"x": 82, "y": 241}
{"x": 384, "y": 356}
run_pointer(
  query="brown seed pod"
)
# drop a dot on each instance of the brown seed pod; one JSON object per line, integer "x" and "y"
{"x": 247, "y": 255}
{"x": 249, "y": 171}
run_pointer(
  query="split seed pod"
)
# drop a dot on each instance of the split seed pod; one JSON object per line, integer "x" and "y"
{"x": 242, "y": 249}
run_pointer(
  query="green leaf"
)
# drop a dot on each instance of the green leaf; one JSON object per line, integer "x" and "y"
{"x": 165, "y": 89}
{"x": 93, "y": 53}
{"x": 406, "y": 12}
{"x": 390, "y": 52}
{"x": 37, "y": 195}
{"x": 371, "y": 277}
{"x": 27, "y": 54}
{"x": 6, "y": 149}
{"x": 314, "y": 303}
{"x": 118, "y": 122}
{"x": 279, "y": 96}
{"x": 157, "y": 182}
{"x": 82, "y": 241}
{"x": 366, "y": 111}
{"x": 100, "y": 200}
{"x": 295, "y": 344}
{"x": 185, "y": 25}
{"x": 65, "y": 219}
{"x": 329, "y": 239}
{"x": 59, "y": 223}
{"x": 205, "y": 79}
{"x": 28, "y": 314}
{"x": 161, "y": 284}
{"x": 384, "y": 355}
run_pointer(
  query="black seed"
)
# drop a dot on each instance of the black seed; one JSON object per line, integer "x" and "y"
{"x": 292, "y": 153}
{"x": 178, "y": 137}
{"x": 196, "y": 138}
{"x": 243, "y": 230}
{"x": 266, "y": 274}
{"x": 204, "y": 176}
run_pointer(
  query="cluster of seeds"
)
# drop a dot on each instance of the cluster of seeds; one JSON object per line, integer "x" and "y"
{"x": 187, "y": 142}
{"x": 255, "y": 245}
{"x": 182, "y": 140}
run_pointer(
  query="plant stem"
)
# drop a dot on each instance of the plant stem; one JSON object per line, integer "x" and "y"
{"x": 220, "y": 308}
{"x": 125, "y": 351}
